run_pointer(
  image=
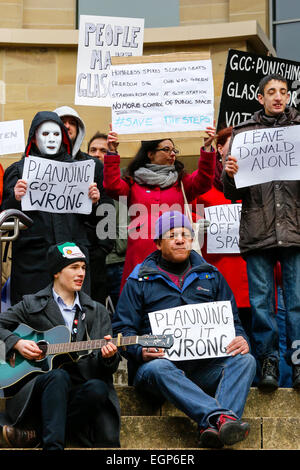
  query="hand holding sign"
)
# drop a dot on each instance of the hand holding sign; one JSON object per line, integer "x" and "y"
{"x": 237, "y": 346}
{"x": 231, "y": 166}
{"x": 20, "y": 189}
{"x": 94, "y": 193}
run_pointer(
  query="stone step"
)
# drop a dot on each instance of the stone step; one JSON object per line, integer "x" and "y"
{"x": 274, "y": 420}
{"x": 284, "y": 402}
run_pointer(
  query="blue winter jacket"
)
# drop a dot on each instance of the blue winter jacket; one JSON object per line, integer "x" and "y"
{"x": 148, "y": 289}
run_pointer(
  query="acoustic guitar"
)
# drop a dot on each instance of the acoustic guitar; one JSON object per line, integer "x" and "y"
{"x": 55, "y": 343}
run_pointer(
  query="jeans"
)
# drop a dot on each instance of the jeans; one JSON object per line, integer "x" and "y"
{"x": 65, "y": 409}
{"x": 285, "y": 370}
{"x": 202, "y": 389}
{"x": 260, "y": 270}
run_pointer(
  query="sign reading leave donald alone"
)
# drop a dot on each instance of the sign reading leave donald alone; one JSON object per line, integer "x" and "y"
{"x": 265, "y": 155}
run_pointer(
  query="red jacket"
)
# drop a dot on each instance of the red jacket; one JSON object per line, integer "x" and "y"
{"x": 145, "y": 203}
{"x": 232, "y": 266}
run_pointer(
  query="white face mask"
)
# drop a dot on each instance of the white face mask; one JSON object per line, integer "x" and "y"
{"x": 48, "y": 138}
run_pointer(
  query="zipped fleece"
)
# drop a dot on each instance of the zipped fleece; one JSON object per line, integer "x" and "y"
{"x": 149, "y": 289}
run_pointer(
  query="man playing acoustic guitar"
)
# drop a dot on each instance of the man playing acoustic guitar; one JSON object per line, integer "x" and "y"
{"x": 76, "y": 402}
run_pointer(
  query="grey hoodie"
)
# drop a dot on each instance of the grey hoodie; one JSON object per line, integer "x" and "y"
{"x": 68, "y": 111}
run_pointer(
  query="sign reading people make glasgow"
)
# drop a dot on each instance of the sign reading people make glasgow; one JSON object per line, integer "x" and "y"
{"x": 243, "y": 72}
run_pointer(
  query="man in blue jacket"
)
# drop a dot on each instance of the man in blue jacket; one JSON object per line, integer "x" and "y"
{"x": 212, "y": 391}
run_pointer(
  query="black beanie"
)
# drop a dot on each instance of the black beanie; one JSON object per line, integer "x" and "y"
{"x": 60, "y": 256}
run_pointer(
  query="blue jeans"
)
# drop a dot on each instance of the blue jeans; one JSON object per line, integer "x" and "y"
{"x": 202, "y": 389}
{"x": 260, "y": 270}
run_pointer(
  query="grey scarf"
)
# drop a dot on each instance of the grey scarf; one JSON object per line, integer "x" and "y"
{"x": 156, "y": 175}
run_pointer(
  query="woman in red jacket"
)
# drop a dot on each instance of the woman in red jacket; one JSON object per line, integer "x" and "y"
{"x": 231, "y": 265}
{"x": 152, "y": 185}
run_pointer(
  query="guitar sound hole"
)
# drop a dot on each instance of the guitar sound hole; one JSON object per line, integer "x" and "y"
{"x": 43, "y": 345}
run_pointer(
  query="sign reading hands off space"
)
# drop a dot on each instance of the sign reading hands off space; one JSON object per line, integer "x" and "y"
{"x": 265, "y": 155}
{"x": 57, "y": 187}
{"x": 100, "y": 38}
{"x": 223, "y": 231}
{"x": 200, "y": 331}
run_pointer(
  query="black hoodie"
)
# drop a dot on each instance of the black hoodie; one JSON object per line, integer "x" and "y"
{"x": 29, "y": 272}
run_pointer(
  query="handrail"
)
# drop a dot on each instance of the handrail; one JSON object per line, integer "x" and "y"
{"x": 20, "y": 222}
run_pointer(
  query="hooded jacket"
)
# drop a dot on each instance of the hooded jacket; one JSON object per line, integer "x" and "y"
{"x": 148, "y": 289}
{"x": 106, "y": 244}
{"x": 68, "y": 111}
{"x": 29, "y": 271}
{"x": 270, "y": 214}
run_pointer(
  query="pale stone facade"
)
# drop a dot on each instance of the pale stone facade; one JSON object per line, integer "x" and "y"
{"x": 38, "y": 51}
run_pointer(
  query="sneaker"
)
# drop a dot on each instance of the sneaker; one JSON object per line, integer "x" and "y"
{"x": 269, "y": 375}
{"x": 209, "y": 438}
{"x": 232, "y": 430}
{"x": 15, "y": 437}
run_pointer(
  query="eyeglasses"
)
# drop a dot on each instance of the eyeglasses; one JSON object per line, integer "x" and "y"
{"x": 168, "y": 150}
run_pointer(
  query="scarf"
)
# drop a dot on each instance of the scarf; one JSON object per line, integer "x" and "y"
{"x": 156, "y": 175}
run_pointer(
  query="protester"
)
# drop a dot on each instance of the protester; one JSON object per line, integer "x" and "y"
{"x": 47, "y": 139}
{"x": 212, "y": 391}
{"x": 269, "y": 232}
{"x": 152, "y": 185}
{"x": 97, "y": 146}
{"x": 76, "y": 402}
{"x": 100, "y": 247}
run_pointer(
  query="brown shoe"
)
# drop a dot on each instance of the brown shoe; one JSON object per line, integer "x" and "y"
{"x": 15, "y": 437}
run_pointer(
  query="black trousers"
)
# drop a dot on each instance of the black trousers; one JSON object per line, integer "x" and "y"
{"x": 67, "y": 411}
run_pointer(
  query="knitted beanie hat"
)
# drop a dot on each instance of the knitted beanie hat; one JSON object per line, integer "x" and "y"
{"x": 61, "y": 255}
{"x": 169, "y": 220}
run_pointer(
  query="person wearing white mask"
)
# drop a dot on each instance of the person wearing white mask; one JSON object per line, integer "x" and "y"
{"x": 47, "y": 138}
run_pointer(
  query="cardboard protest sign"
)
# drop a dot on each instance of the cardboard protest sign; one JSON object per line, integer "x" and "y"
{"x": 223, "y": 231}
{"x": 57, "y": 187}
{"x": 267, "y": 155}
{"x": 200, "y": 331}
{"x": 243, "y": 72}
{"x": 162, "y": 97}
{"x": 100, "y": 38}
{"x": 12, "y": 137}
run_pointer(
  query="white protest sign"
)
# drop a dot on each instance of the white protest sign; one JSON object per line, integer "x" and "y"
{"x": 223, "y": 231}
{"x": 100, "y": 38}
{"x": 200, "y": 331}
{"x": 57, "y": 187}
{"x": 267, "y": 155}
{"x": 162, "y": 97}
{"x": 12, "y": 137}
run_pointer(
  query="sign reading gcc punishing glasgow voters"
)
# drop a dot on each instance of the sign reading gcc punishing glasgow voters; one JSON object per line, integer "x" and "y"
{"x": 243, "y": 73}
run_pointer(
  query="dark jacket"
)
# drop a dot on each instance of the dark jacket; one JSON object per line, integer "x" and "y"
{"x": 106, "y": 244}
{"x": 148, "y": 289}
{"x": 29, "y": 272}
{"x": 40, "y": 312}
{"x": 270, "y": 215}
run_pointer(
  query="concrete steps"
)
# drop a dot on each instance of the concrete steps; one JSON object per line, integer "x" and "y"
{"x": 274, "y": 419}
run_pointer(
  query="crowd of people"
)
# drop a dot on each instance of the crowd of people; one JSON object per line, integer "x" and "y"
{"x": 64, "y": 273}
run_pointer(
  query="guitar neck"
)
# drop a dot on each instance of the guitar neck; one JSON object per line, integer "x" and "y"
{"x": 62, "y": 348}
